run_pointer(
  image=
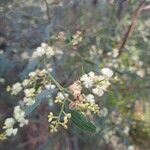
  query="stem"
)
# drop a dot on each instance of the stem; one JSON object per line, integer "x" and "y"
{"x": 62, "y": 90}
{"x": 56, "y": 83}
{"x": 131, "y": 27}
{"x": 47, "y": 10}
{"x": 62, "y": 109}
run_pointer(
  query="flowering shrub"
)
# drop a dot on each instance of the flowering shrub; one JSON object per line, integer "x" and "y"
{"x": 75, "y": 100}
{"x": 76, "y": 65}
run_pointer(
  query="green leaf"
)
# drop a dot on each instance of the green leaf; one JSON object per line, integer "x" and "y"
{"x": 81, "y": 121}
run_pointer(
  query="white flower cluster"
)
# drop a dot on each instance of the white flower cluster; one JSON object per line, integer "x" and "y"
{"x": 55, "y": 121}
{"x": 8, "y": 126}
{"x": 100, "y": 83}
{"x": 36, "y": 77}
{"x": 33, "y": 85}
{"x": 28, "y": 85}
{"x": 29, "y": 94}
{"x": 87, "y": 79}
{"x": 29, "y": 88}
{"x": 107, "y": 72}
{"x": 96, "y": 84}
{"x": 77, "y": 38}
{"x": 18, "y": 117}
{"x": 15, "y": 89}
{"x": 90, "y": 98}
{"x": 43, "y": 50}
{"x": 42, "y": 79}
{"x": 60, "y": 97}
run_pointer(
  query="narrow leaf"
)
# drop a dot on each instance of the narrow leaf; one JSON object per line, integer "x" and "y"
{"x": 81, "y": 121}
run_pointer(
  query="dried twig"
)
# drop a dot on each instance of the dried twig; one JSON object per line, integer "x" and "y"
{"x": 131, "y": 27}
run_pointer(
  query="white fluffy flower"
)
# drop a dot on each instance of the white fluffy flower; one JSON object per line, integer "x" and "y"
{"x": 16, "y": 88}
{"x": 32, "y": 74}
{"x": 8, "y": 125}
{"x": 25, "y": 82}
{"x": 39, "y": 52}
{"x": 29, "y": 101}
{"x": 19, "y": 115}
{"x": 107, "y": 72}
{"x": 29, "y": 92}
{"x": 100, "y": 83}
{"x": 9, "y": 122}
{"x": 98, "y": 91}
{"x": 87, "y": 81}
{"x": 11, "y": 131}
{"x": 104, "y": 85}
{"x": 44, "y": 49}
{"x": 91, "y": 74}
{"x": 44, "y": 45}
{"x": 49, "y": 52}
{"x": 90, "y": 98}
{"x": 60, "y": 96}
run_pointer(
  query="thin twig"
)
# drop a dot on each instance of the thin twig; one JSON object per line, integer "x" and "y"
{"x": 47, "y": 10}
{"x": 131, "y": 27}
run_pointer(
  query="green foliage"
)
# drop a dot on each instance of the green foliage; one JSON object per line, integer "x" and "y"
{"x": 81, "y": 121}
{"x": 26, "y": 26}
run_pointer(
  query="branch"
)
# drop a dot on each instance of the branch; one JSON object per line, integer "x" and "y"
{"x": 47, "y": 10}
{"x": 147, "y": 7}
{"x": 131, "y": 27}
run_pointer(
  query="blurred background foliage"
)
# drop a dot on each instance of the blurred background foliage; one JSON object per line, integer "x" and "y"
{"x": 25, "y": 24}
